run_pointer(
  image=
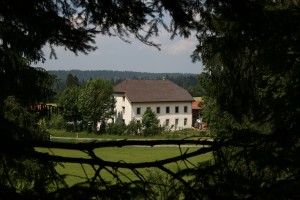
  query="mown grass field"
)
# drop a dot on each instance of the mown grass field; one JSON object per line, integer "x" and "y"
{"x": 166, "y": 135}
{"x": 78, "y": 173}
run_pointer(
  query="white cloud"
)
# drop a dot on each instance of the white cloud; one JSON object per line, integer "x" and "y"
{"x": 180, "y": 47}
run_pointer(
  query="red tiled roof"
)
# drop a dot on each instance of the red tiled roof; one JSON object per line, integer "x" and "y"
{"x": 152, "y": 91}
{"x": 195, "y": 105}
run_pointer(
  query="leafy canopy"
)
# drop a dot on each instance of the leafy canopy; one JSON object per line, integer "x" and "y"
{"x": 96, "y": 101}
{"x": 68, "y": 101}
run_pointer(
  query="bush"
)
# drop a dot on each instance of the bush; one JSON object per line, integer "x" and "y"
{"x": 56, "y": 122}
{"x": 134, "y": 128}
{"x": 116, "y": 128}
{"x": 152, "y": 130}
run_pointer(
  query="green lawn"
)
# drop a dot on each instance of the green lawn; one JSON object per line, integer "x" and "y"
{"x": 168, "y": 135}
{"x": 77, "y": 173}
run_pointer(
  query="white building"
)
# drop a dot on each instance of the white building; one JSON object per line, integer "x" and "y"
{"x": 171, "y": 103}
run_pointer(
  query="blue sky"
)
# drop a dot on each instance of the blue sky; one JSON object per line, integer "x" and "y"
{"x": 114, "y": 54}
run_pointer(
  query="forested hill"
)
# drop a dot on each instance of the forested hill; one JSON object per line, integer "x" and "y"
{"x": 185, "y": 80}
{"x": 113, "y": 75}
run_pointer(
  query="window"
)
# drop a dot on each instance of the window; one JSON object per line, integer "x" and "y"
{"x": 158, "y": 110}
{"x": 138, "y": 121}
{"x": 176, "y": 122}
{"x": 167, "y": 109}
{"x": 148, "y": 108}
{"x": 185, "y": 109}
{"x": 176, "y": 109}
{"x": 167, "y": 122}
{"x": 123, "y": 109}
{"x": 138, "y": 111}
{"x": 185, "y": 122}
{"x": 123, "y": 98}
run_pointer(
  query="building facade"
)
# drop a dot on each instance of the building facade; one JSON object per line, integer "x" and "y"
{"x": 171, "y": 103}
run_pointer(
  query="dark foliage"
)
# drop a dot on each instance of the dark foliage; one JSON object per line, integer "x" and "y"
{"x": 250, "y": 53}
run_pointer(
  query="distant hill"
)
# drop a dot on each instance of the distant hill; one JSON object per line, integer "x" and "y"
{"x": 187, "y": 81}
{"x": 113, "y": 75}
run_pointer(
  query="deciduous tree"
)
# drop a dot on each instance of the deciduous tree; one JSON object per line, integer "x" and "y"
{"x": 68, "y": 102}
{"x": 96, "y": 101}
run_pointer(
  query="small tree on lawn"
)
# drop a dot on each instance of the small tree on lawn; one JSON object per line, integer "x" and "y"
{"x": 150, "y": 123}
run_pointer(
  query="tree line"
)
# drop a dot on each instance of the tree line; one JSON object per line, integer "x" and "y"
{"x": 188, "y": 81}
{"x": 85, "y": 75}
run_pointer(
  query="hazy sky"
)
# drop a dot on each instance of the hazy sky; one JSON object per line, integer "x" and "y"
{"x": 114, "y": 54}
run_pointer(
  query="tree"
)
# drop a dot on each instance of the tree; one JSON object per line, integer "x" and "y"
{"x": 20, "y": 174}
{"x": 150, "y": 123}
{"x": 17, "y": 114}
{"x": 96, "y": 102}
{"x": 251, "y": 64}
{"x": 72, "y": 81}
{"x": 68, "y": 100}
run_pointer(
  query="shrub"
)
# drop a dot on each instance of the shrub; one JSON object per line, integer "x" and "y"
{"x": 134, "y": 128}
{"x": 116, "y": 128}
{"x": 56, "y": 122}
